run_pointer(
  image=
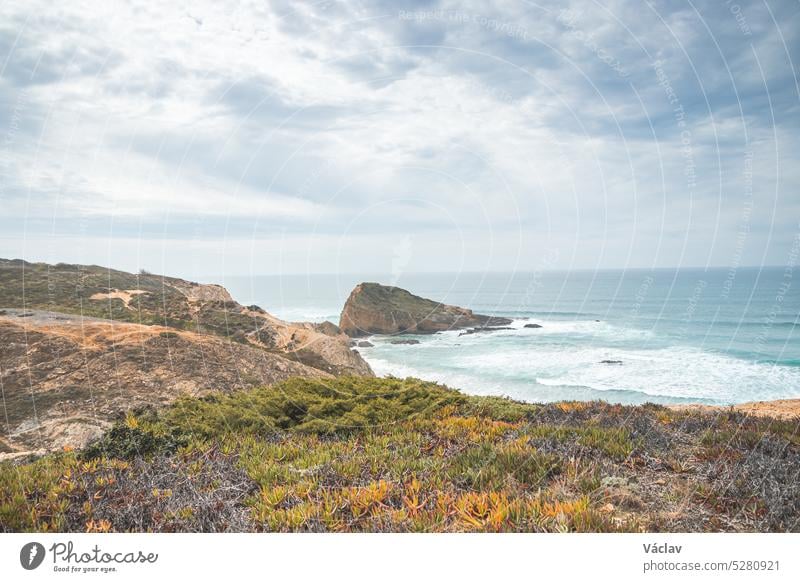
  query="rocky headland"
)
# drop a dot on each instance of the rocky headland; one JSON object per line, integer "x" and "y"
{"x": 148, "y": 299}
{"x": 80, "y": 345}
{"x": 373, "y": 308}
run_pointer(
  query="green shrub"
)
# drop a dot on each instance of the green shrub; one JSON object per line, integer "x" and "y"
{"x": 126, "y": 442}
{"x": 498, "y": 408}
{"x": 341, "y": 405}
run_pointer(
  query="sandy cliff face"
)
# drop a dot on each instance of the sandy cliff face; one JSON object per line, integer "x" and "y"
{"x": 372, "y": 308}
{"x": 322, "y": 346}
{"x": 65, "y": 378}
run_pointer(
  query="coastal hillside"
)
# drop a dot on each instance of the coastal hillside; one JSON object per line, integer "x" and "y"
{"x": 81, "y": 345}
{"x": 373, "y": 308}
{"x": 149, "y": 299}
{"x": 66, "y": 378}
{"x": 367, "y": 454}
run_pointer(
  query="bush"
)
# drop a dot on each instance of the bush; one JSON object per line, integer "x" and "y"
{"x": 126, "y": 442}
{"x": 341, "y": 405}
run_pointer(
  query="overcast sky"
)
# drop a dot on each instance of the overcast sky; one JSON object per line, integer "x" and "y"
{"x": 279, "y": 137}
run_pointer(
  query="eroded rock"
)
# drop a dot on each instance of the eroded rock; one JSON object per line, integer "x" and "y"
{"x": 373, "y": 308}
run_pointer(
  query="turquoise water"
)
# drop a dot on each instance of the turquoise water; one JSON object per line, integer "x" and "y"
{"x": 690, "y": 335}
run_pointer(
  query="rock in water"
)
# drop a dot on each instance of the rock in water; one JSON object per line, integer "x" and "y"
{"x": 410, "y": 342}
{"x": 532, "y": 325}
{"x": 483, "y": 330}
{"x": 379, "y": 309}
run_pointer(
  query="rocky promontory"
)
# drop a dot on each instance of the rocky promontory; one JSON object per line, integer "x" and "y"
{"x": 373, "y": 308}
{"x": 81, "y": 344}
{"x": 148, "y": 299}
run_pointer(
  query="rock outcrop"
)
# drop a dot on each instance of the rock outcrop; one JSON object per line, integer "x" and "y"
{"x": 379, "y": 309}
{"x": 198, "y": 292}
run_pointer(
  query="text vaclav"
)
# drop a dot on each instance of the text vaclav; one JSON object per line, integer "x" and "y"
{"x": 661, "y": 549}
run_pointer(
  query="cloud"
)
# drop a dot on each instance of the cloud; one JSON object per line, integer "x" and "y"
{"x": 622, "y": 133}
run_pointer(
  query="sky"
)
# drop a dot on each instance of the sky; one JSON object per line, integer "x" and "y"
{"x": 253, "y": 138}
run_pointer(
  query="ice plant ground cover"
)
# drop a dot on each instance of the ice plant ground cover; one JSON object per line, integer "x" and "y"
{"x": 368, "y": 454}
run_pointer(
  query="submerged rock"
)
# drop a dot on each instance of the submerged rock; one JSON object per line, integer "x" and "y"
{"x": 532, "y": 325}
{"x": 482, "y": 330}
{"x": 364, "y": 344}
{"x": 410, "y": 342}
{"x": 611, "y": 361}
{"x": 379, "y": 309}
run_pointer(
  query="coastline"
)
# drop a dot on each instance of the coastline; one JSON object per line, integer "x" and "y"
{"x": 779, "y": 408}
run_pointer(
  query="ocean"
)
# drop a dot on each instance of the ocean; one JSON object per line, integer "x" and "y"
{"x": 713, "y": 336}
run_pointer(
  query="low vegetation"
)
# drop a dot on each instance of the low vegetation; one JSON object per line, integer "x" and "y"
{"x": 367, "y": 454}
{"x": 73, "y": 289}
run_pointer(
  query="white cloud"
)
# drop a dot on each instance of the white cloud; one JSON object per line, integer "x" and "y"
{"x": 503, "y": 125}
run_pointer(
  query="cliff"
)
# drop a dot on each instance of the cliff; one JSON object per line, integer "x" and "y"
{"x": 80, "y": 345}
{"x": 150, "y": 299}
{"x": 373, "y": 308}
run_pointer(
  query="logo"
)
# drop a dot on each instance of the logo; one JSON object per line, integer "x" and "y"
{"x": 31, "y": 555}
